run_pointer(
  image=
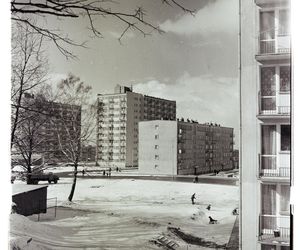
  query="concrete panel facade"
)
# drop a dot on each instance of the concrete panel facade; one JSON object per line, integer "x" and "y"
{"x": 158, "y": 147}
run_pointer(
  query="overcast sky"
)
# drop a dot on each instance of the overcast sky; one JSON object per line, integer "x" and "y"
{"x": 195, "y": 62}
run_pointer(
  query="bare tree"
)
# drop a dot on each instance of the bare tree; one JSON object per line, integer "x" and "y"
{"x": 29, "y": 69}
{"x": 29, "y": 136}
{"x": 75, "y": 120}
{"x": 24, "y": 10}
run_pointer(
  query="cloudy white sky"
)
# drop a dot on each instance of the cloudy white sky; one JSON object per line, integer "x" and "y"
{"x": 194, "y": 62}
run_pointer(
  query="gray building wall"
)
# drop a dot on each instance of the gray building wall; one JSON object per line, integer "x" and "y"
{"x": 198, "y": 148}
{"x": 158, "y": 147}
{"x": 117, "y": 124}
{"x": 249, "y": 203}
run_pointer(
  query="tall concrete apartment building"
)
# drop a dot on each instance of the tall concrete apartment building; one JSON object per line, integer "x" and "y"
{"x": 117, "y": 124}
{"x": 265, "y": 122}
{"x": 54, "y": 127}
{"x": 184, "y": 148}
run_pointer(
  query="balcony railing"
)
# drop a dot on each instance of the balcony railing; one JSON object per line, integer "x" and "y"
{"x": 274, "y": 42}
{"x": 274, "y": 103}
{"x": 274, "y": 165}
{"x": 267, "y": 2}
{"x": 274, "y": 228}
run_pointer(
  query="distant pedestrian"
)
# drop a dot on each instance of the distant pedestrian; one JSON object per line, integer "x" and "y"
{"x": 212, "y": 221}
{"x": 103, "y": 172}
{"x": 83, "y": 172}
{"x": 235, "y": 211}
{"x": 208, "y": 207}
{"x": 193, "y": 198}
{"x": 117, "y": 169}
{"x": 196, "y": 179}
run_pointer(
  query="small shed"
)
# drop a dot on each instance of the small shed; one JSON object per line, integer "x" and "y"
{"x": 30, "y": 199}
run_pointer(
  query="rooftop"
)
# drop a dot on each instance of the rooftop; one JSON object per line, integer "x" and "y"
{"x": 23, "y": 188}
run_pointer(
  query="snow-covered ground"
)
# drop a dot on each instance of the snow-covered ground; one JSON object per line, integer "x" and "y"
{"x": 128, "y": 214}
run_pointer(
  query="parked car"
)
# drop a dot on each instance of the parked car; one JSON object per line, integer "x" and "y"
{"x": 34, "y": 178}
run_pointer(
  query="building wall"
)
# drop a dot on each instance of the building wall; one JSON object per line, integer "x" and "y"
{"x": 200, "y": 148}
{"x": 55, "y": 127}
{"x": 88, "y": 153}
{"x": 37, "y": 204}
{"x": 121, "y": 150}
{"x": 264, "y": 175}
{"x": 112, "y": 130}
{"x": 204, "y": 148}
{"x": 248, "y": 171}
{"x": 191, "y": 148}
{"x": 158, "y": 109}
{"x": 61, "y": 131}
{"x": 158, "y": 147}
{"x": 235, "y": 158}
{"x": 134, "y": 115}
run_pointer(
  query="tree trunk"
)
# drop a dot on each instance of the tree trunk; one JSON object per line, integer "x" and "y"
{"x": 16, "y": 118}
{"x": 74, "y": 183}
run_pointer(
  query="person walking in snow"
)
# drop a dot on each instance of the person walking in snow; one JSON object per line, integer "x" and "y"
{"x": 208, "y": 207}
{"x": 193, "y": 198}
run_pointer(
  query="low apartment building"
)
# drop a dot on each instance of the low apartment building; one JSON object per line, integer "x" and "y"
{"x": 184, "y": 148}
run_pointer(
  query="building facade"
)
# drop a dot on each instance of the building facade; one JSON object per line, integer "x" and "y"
{"x": 235, "y": 158}
{"x": 48, "y": 128}
{"x": 88, "y": 153}
{"x": 117, "y": 124}
{"x": 265, "y": 121}
{"x": 184, "y": 148}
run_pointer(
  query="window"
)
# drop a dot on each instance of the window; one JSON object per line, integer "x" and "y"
{"x": 267, "y": 24}
{"x": 156, "y": 146}
{"x": 179, "y": 151}
{"x": 284, "y": 200}
{"x": 285, "y": 78}
{"x": 156, "y": 137}
{"x": 268, "y": 135}
{"x": 284, "y": 23}
{"x": 156, "y": 157}
{"x": 285, "y": 135}
{"x": 267, "y": 81}
{"x": 268, "y": 199}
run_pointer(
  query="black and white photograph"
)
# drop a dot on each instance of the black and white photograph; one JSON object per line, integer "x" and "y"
{"x": 150, "y": 124}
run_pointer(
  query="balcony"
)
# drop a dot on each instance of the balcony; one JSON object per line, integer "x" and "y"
{"x": 274, "y": 229}
{"x": 274, "y": 105}
{"x": 275, "y": 166}
{"x": 263, "y": 3}
{"x": 274, "y": 45}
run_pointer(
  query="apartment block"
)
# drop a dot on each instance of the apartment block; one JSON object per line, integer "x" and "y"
{"x": 117, "y": 124}
{"x": 88, "y": 153}
{"x": 61, "y": 132}
{"x": 184, "y": 148}
{"x": 49, "y": 128}
{"x": 265, "y": 168}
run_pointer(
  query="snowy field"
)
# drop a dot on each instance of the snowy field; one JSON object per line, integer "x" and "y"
{"x": 130, "y": 214}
